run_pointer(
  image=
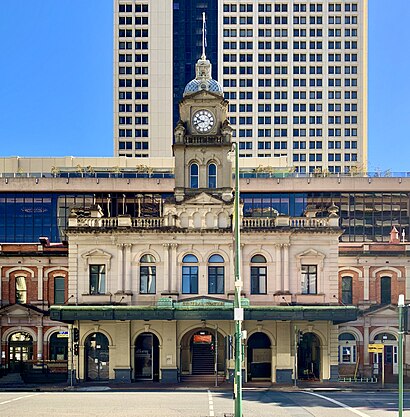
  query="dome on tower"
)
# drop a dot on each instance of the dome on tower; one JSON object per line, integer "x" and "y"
{"x": 203, "y": 79}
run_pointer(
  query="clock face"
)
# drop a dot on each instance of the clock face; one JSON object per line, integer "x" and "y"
{"x": 203, "y": 121}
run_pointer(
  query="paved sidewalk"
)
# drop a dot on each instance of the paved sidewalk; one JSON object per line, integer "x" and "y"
{"x": 225, "y": 386}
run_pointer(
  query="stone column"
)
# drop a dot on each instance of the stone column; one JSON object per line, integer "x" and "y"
{"x": 366, "y": 341}
{"x": 128, "y": 263}
{"x": 120, "y": 288}
{"x": 284, "y": 363}
{"x": 40, "y": 283}
{"x": 168, "y": 353}
{"x": 40, "y": 342}
{"x": 278, "y": 269}
{"x": 366, "y": 282}
{"x": 120, "y": 352}
{"x": 173, "y": 268}
{"x": 166, "y": 286}
{"x": 231, "y": 283}
{"x": 286, "y": 267}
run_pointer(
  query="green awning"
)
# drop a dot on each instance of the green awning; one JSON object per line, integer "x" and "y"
{"x": 336, "y": 314}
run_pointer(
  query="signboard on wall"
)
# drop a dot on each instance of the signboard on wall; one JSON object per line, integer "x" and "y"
{"x": 375, "y": 347}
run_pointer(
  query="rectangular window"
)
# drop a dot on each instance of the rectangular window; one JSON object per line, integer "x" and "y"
{"x": 59, "y": 290}
{"x": 258, "y": 280}
{"x": 347, "y": 290}
{"x": 216, "y": 280}
{"x": 309, "y": 279}
{"x": 147, "y": 279}
{"x": 189, "y": 280}
{"x": 97, "y": 279}
{"x": 347, "y": 354}
{"x": 21, "y": 290}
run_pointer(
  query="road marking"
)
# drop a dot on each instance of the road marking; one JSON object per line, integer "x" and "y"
{"x": 19, "y": 398}
{"x": 353, "y": 410}
{"x": 211, "y": 404}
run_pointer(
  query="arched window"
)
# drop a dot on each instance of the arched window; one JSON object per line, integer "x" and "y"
{"x": 347, "y": 290}
{"x": 190, "y": 274}
{"x": 194, "y": 176}
{"x": 59, "y": 290}
{"x": 148, "y": 275}
{"x": 385, "y": 290}
{"x": 384, "y": 336}
{"x": 211, "y": 176}
{"x": 216, "y": 275}
{"x": 21, "y": 290}
{"x": 347, "y": 348}
{"x": 258, "y": 274}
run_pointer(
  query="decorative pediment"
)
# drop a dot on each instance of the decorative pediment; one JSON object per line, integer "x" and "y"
{"x": 311, "y": 256}
{"x": 202, "y": 95}
{"x": 97, "y": 256}
{"x": 203, "y": 199}
{"x": 20, "y": 311}
{"x": 382, "y": 311}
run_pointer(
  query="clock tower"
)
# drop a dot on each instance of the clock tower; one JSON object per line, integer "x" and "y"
{"x": 203, "y": 139}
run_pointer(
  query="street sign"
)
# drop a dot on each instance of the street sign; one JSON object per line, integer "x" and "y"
{"x": 62, "y": 334}
{"x": 375, "y": 347}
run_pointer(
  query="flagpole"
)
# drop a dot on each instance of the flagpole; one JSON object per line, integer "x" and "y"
{"x": 203, "y": 35}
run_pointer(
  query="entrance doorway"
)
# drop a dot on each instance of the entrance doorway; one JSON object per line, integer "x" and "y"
{"x": 199, "y": 350}
{"x": 259, "y": 357}
{"x": 20, "y": 350}
{"x": 97, "y": 357}
{"x": 390, "y": 357}
{"x": 147, "y": 357}
{"x": 309, "y": 357}
{"x": 203, "y": 353}
{"x": 58, "y": 347}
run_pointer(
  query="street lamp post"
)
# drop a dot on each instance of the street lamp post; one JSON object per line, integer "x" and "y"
{"x": 401, "y": 332}
{"x": 238, "y": 311}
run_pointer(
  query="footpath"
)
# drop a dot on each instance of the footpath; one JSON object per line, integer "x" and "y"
{"x": 19, "y": 386}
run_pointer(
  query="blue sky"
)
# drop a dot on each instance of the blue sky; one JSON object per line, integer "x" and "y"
{"x": 56, "y": 80}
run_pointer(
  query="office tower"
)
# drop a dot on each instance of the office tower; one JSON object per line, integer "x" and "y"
{"x": 294, "y": 72}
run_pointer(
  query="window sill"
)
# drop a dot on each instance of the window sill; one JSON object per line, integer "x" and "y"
{"x": 95, "y": 298}
{"x": 310, "y": 298}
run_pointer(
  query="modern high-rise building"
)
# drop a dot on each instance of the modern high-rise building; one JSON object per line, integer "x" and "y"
{"x": 294, "y": 72}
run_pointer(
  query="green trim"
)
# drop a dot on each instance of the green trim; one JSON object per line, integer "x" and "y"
{"x": 336, "y": 314}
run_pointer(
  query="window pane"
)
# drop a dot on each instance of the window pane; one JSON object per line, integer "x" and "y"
{"x": 21, "y": 290}
{"x": 147, "y": 259}
{"x": 258, "y": 259}
{"x": 190, "y": 258}
{"x": 59, "y": 290}
{"x": 97, "y": 279}
{"x": 147, "y": 279}
{"x": 385, "y": 284}
{"x": 216, "y": 259}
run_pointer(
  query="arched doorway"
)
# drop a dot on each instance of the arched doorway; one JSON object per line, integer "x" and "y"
{"x": 20, "y": 350}
{"x": 147, "y": 357}
{"x": 309, "y": 357}
{"x": 97, "y": 357}
{"x": 259, "y": 357}
{"x": 198, "y": 352}
{"x": 58, "y": 347}
{"x": 390, "y": 357}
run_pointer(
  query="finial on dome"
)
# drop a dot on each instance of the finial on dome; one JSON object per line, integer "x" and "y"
{"x": 203, "y": 36}
{"x": 203, "y": 71}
